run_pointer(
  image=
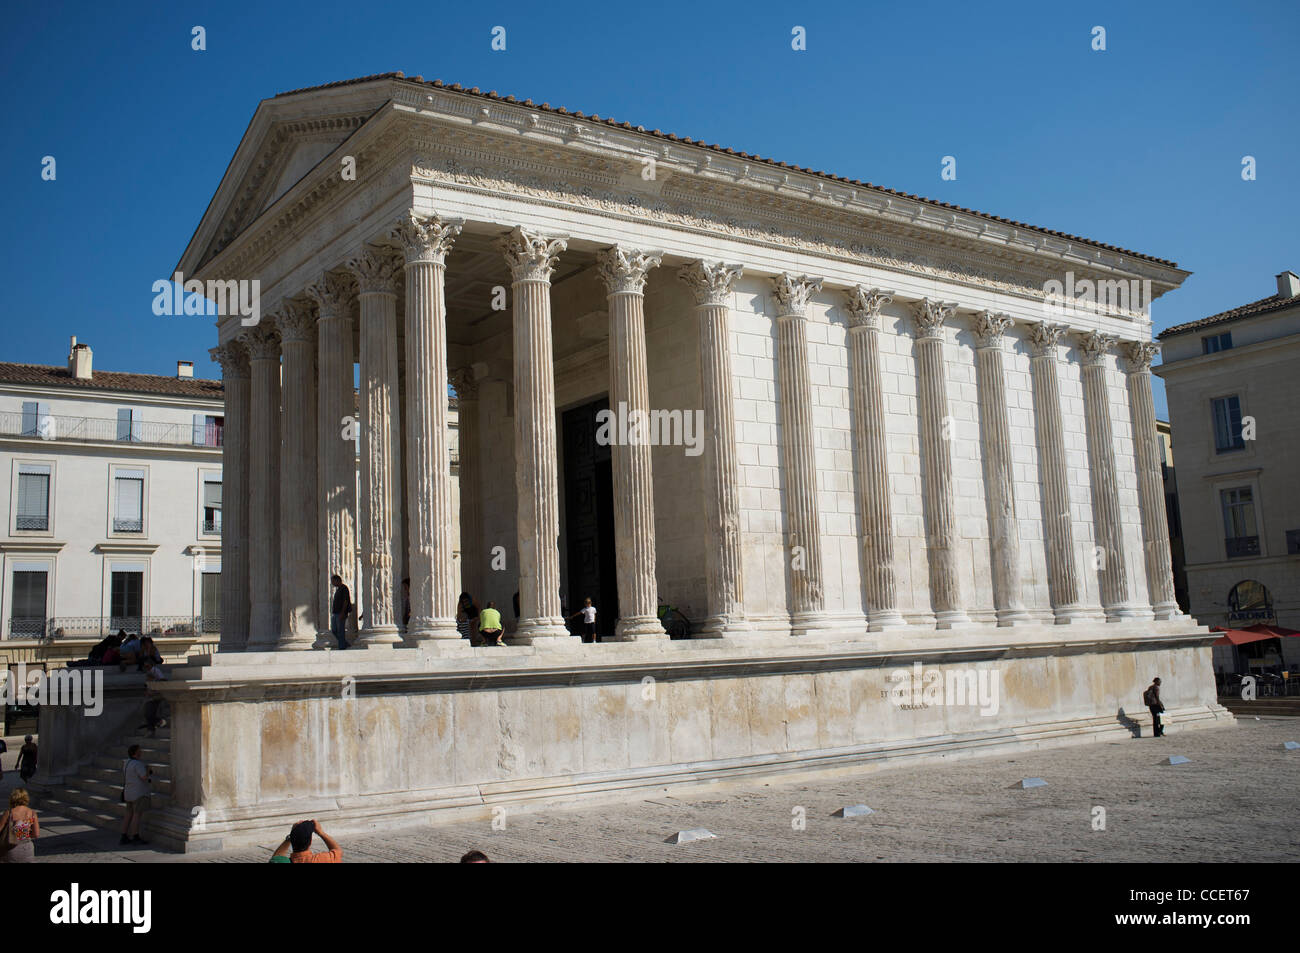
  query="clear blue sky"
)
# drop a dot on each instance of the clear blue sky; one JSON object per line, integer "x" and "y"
{"x": 1139, "y": 146}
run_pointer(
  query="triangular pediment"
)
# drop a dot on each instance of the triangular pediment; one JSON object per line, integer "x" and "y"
{"x": 287, "y": 138}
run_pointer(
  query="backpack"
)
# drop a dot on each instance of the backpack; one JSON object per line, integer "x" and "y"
{"x": 1148, "y": 696}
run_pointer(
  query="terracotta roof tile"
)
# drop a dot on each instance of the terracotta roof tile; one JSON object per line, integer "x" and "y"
{"x": 561, "y": 111}
{"x": 41, "y": 375}
{"x": 1262, "y": 306}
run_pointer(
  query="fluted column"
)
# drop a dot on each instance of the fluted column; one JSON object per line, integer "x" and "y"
{"x": 233, "y": 358}
{"x": 336, "y": 453}
{"x": 875, "y": 520}
{"x": 712, "y": 285}
{"x": 942, "y": 540}
{"x": 426, "y": 241}
{"x": 263, "y": 344}
{"x": 471, "y": 507}
{"x": 999, "y": 493}
{"x": 1062, "y": 572}
{"x": 381, "y": 486}
{"x": 798, "y": 452}
{"x": 1109, "y": 540}
{"x": 299, "y": 565}
{"x": 532, "y": 259}
{"x": 1151, "y": 487}
{"x": 624, "y": 273}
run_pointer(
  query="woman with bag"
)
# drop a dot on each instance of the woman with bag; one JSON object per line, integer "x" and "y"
{"x": 19, "y": 829}
{"x": 135, "y": 794}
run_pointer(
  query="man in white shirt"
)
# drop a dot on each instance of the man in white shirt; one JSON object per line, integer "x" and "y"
{"x": 588, "y": 613}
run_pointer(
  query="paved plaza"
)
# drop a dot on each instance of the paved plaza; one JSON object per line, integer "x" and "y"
{"x": 1232, "y": 802}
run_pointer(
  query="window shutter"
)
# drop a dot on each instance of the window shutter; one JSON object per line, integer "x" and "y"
{"x": 212, "y": 494}
{"x": 130, "y": 495}
{"x": 33, "y": 498}
{"x": 124, "y": 423}
{"x": 31, "y": 415}
{"x": 200, "y": 430}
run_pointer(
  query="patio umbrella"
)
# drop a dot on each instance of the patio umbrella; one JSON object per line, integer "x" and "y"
{"x": 1252, "y": 633}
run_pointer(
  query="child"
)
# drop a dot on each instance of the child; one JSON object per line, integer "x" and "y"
{"x": 588, "y": 613}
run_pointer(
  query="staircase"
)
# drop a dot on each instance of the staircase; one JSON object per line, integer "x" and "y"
{"x": 94, "y": 795}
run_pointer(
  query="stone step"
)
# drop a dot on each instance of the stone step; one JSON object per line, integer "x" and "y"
{"x": 161, "y": 769}
{"x": 112, "y": 787}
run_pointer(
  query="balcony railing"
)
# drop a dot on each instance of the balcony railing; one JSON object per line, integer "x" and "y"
{"x": 212, "y": 527}
{"x": 31, "y": 522}
{"x": 127, "y": 526}
{"x": 107, "y": 430}
{"x": 84, "y": 627}
{"x": 1242, "y": 546}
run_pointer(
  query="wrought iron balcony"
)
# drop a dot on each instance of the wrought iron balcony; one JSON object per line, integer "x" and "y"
{"x": 1242, "y": 546}
{"x": 31, "y": 522}
{"x": 107, "y": 430}
{"x": 128, "y": 526}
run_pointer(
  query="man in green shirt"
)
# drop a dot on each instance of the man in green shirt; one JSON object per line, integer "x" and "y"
{"x": 489, "y": 625}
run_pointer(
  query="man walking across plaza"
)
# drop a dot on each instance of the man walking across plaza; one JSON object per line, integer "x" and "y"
{"x": 340, "y": 609}
{"x": 1151, "y": 698}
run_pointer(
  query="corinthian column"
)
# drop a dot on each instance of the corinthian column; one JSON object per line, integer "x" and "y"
{"x": 532, "y": 259}
{"x": 299, "y": 566}
{"x": 1062, "y": 574}
{"x": 995, "y": 437}
{"x": 263, "y": 346}
{"x": 336, "y": 452}
{"x": 233, "y": 358}
{"x": 624, "y": 273}
{"x": 1109, "y": 543}
{"x": 1151, "y": 487}
{"x": 800, "y": 464}
{"x": 471, "y": 509}
{"x": 936, "y": 455}
{"x": 428, "y": 454}
{"x": 875, "y": 520}
{"x": 712, "y": 285}
{"x": 381, "y": 485}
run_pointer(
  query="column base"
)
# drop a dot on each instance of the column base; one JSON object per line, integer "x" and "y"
{"x": 431, "y": 630}
{"x": 325, "y": 640}
{"x": 722, "y": 626}
{"x": 531, "y": 631}
{"x": 295, "y": 644}
{"x": 1068, "y": 614}
{"x": 379, "y": 637}
{"x": 639, "y": 628}
{"x": 948, "y": 618}
{"x": 1122, "y": 613}
{"x": 880, "y": 619}
{"x": 1166, "y": 611}
{"x": 808, "y": 623}
{"x": 1013, "y": 617}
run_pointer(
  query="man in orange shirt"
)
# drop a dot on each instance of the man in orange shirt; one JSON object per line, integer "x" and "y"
{"x": 299, "y": 840}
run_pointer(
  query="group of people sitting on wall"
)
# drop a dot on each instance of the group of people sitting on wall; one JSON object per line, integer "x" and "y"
{"x": 478, "y": 626}
{"x": 126, "y": 649}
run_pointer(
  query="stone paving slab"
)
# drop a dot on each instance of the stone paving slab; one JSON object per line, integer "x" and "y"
{"x": 1235, "y": 802}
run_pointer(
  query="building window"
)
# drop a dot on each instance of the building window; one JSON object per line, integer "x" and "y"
{"x": 212, "y": 506}
{"x": 33, "y": 497}
{"x": 128, "y": 502}
{"x": 130, "y": 429}
{"x": 1240, "y": 536}
{"x": 1293, "y": 542}
{"x": 1216, "y": 342}
{"x": 1227, "y": 424}
{"x": 1249, "y": 602}
{"x": 126, "y": 601}
{"x": 210, "y": 601}
{"x": 37, "y": 421}
{"x": 27, "y": 612}
{"x": 208, "y": 430}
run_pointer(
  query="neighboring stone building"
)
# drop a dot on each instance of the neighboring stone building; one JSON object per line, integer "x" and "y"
{"x": 877, "y": 441}
{"x": 1233, "y": 384}
{"x": 112, "y": 499}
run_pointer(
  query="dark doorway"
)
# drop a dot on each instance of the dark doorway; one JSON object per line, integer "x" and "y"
{"x": 589, "y": 518}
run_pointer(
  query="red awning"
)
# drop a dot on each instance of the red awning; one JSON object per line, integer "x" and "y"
{"x": 1252, "y": 633}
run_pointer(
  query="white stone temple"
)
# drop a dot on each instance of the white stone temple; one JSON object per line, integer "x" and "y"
{"x": 873, "y": 442}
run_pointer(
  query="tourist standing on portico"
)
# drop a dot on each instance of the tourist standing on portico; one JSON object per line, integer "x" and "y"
{"x": 340, "y": 608}
{"x": 588, "y": 613}
{"x": 135, "y": 792}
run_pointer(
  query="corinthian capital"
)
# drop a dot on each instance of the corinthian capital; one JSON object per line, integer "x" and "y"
{"x": 233, "y": 358}
{"x": 865, "y": 305}
{"x": 1043, "y": 338}
{"x": 426, "y": 237}
{"x": 377, "y": 271}
{"x": 624, "y": 270}
{"x": 262, "y": 342}
{"x": 930, "y": 316}
{"x": 1140, "y": 354}
{"x": 296, "y": 322}
{"x": 463, "y": 382}
{"x": 792, "y": 293}
{"x": 333, "y": 293}
{"x": 1094, "y": 347}
{"x": 988, "y": 328}
{"x": 531, "y": 257}
{"x": 712, "y": 283}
